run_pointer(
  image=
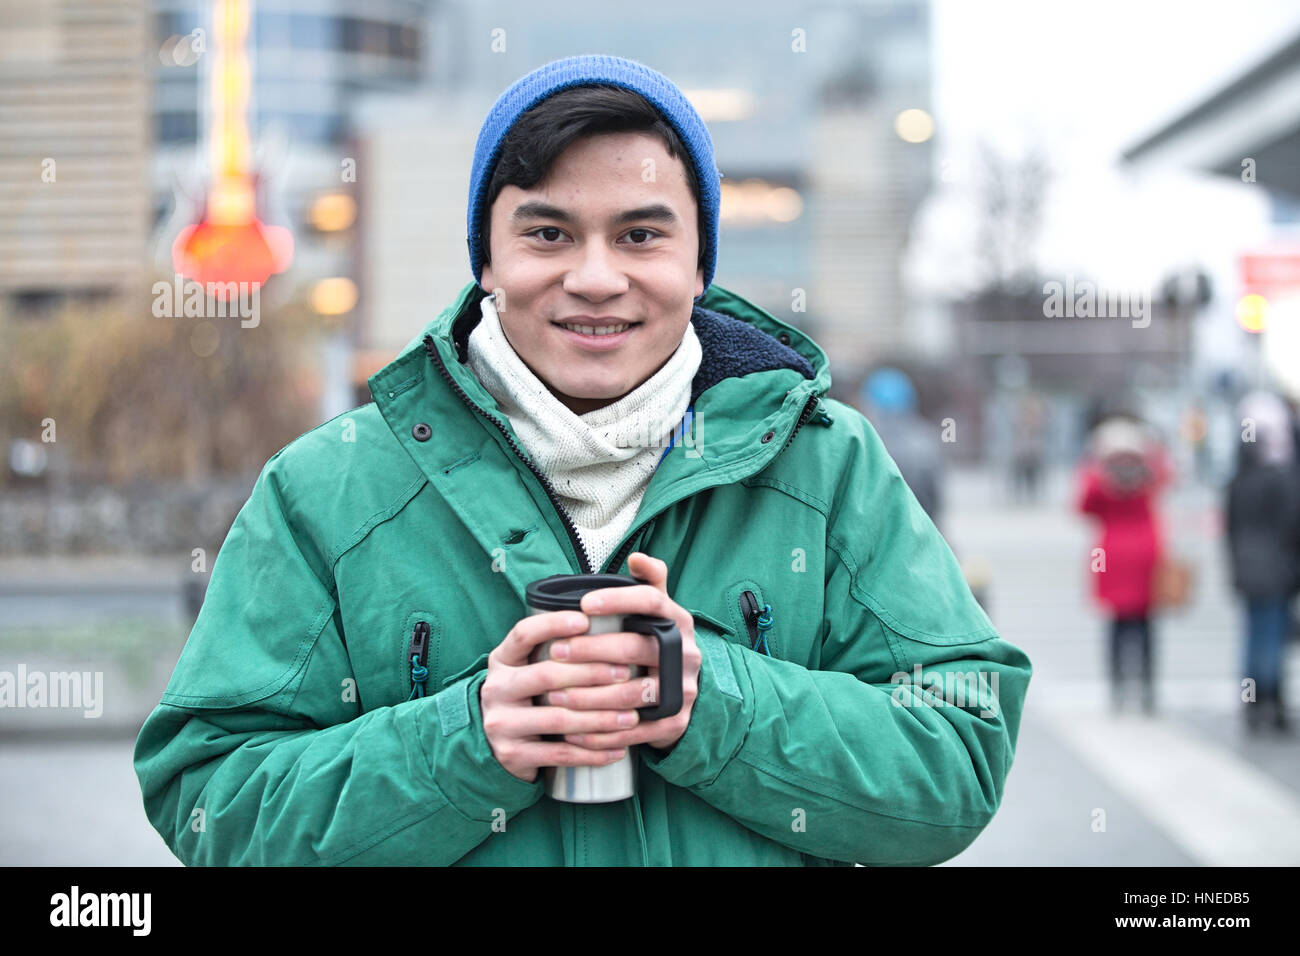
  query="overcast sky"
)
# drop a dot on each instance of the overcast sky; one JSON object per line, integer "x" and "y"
{"x": 1092, "y": 76}
{"x": 1087, "y": 79}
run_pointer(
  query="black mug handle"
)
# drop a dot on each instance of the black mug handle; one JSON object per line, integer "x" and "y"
{"x": 670, "y": 663}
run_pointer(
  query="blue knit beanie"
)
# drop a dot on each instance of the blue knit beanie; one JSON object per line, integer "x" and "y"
{"x": 593, "y": 70}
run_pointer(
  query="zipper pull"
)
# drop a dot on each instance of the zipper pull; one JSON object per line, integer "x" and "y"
{"x": 418, "y": 654}
{"x": 757, "y": 620}
{"x": 764, "y": 625}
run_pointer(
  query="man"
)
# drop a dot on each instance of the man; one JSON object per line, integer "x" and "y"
{"x": 818, "y": 607}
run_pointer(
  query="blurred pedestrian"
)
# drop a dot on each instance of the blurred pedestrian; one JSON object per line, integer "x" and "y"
{"x": 1194, "y": 430}
{"x": 1028, "y": 447}
{"x": 888, "y": 400}
{"x": 1263, "y": 524}
{"x": 1122, "y": 475}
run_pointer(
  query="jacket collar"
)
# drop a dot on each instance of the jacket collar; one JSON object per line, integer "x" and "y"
{"x": 752, "y": 392}
{"x": 729, "y": 346}
{"x": 757, "y": 375}
{"x": 736, "y": 338}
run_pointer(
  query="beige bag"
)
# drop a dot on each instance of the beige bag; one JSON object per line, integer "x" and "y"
{"x": 1171, "y": 585}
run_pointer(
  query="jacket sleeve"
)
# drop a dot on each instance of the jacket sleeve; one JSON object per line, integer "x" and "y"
{"x": 1090, "y": 496}
{"x": 258, "y": 752}
{"x": 896, "y": 749}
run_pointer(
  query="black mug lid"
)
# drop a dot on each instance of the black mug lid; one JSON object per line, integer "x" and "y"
{"x": 563, "y": 592}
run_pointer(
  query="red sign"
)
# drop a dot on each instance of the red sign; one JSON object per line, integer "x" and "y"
{"x": 1270, "y": 271}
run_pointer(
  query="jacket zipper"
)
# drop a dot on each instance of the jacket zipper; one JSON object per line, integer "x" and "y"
{"x": 803, "y": 418}
{"x": 621, "y": 555}
{"x": 583, "y": 559}
{"x": 417, "y": 655}
{"x": 755, "y": 622}
{"x": 749, "y": 609}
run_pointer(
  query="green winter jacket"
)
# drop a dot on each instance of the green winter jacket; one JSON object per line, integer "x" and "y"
{"x": 870, "y": 715}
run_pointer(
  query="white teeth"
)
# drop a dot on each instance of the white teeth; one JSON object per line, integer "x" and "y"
{"x": 598, "y": 330}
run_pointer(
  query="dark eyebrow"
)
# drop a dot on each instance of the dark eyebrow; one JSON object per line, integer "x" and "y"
{"x": 655, "y": 212}
{"x": 535, "y": 209}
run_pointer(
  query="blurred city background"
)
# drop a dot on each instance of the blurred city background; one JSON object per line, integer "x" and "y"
{"x": 1004, "y": 222}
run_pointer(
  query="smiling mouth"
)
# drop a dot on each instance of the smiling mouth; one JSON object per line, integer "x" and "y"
{"x": 596, "y": 331}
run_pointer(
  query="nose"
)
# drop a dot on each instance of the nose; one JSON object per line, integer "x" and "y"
{"x": 597, "y": 275}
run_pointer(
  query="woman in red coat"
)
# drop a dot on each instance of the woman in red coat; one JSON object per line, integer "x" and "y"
{"x": 1119, "y": 482}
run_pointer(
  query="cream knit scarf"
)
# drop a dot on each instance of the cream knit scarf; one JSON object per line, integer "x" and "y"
{"x": 599, "y": 463}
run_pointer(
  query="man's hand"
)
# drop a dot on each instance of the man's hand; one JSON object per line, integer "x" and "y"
{"x": 514, "y": 724}
{"x": 623, "y": 647}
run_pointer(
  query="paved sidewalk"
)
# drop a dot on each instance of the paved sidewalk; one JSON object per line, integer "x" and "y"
{"x": 74, "y": 804}
{"x": 1184, "y": 787}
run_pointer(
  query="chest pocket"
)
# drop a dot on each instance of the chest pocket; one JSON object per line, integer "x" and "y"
{"x": 741, "y": 618}
{"x": 765, "y": 620}
{"x": 418, "y": 657}
{"x": 422, "y": 660}
{"x": 752, "y": 617}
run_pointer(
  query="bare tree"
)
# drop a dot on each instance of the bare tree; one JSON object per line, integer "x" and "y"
{"x": 1010, "y": 197}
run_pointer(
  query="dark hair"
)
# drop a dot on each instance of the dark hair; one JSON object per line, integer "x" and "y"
{"x": 549, "y": 128}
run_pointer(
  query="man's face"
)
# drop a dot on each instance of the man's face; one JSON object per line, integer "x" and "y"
{"x": 595, "y": 244}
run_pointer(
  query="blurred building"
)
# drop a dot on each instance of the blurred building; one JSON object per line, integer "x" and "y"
{"x": 1253, "y": 121}
{"x": 416, "y": 151}
{"x": 1006, "y": 347}
{"x": 308, "y": 58}
{"x": 74, "y": 148}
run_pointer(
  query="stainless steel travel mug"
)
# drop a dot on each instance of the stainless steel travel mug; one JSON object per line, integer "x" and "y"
{"x": 563, "y": 592}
